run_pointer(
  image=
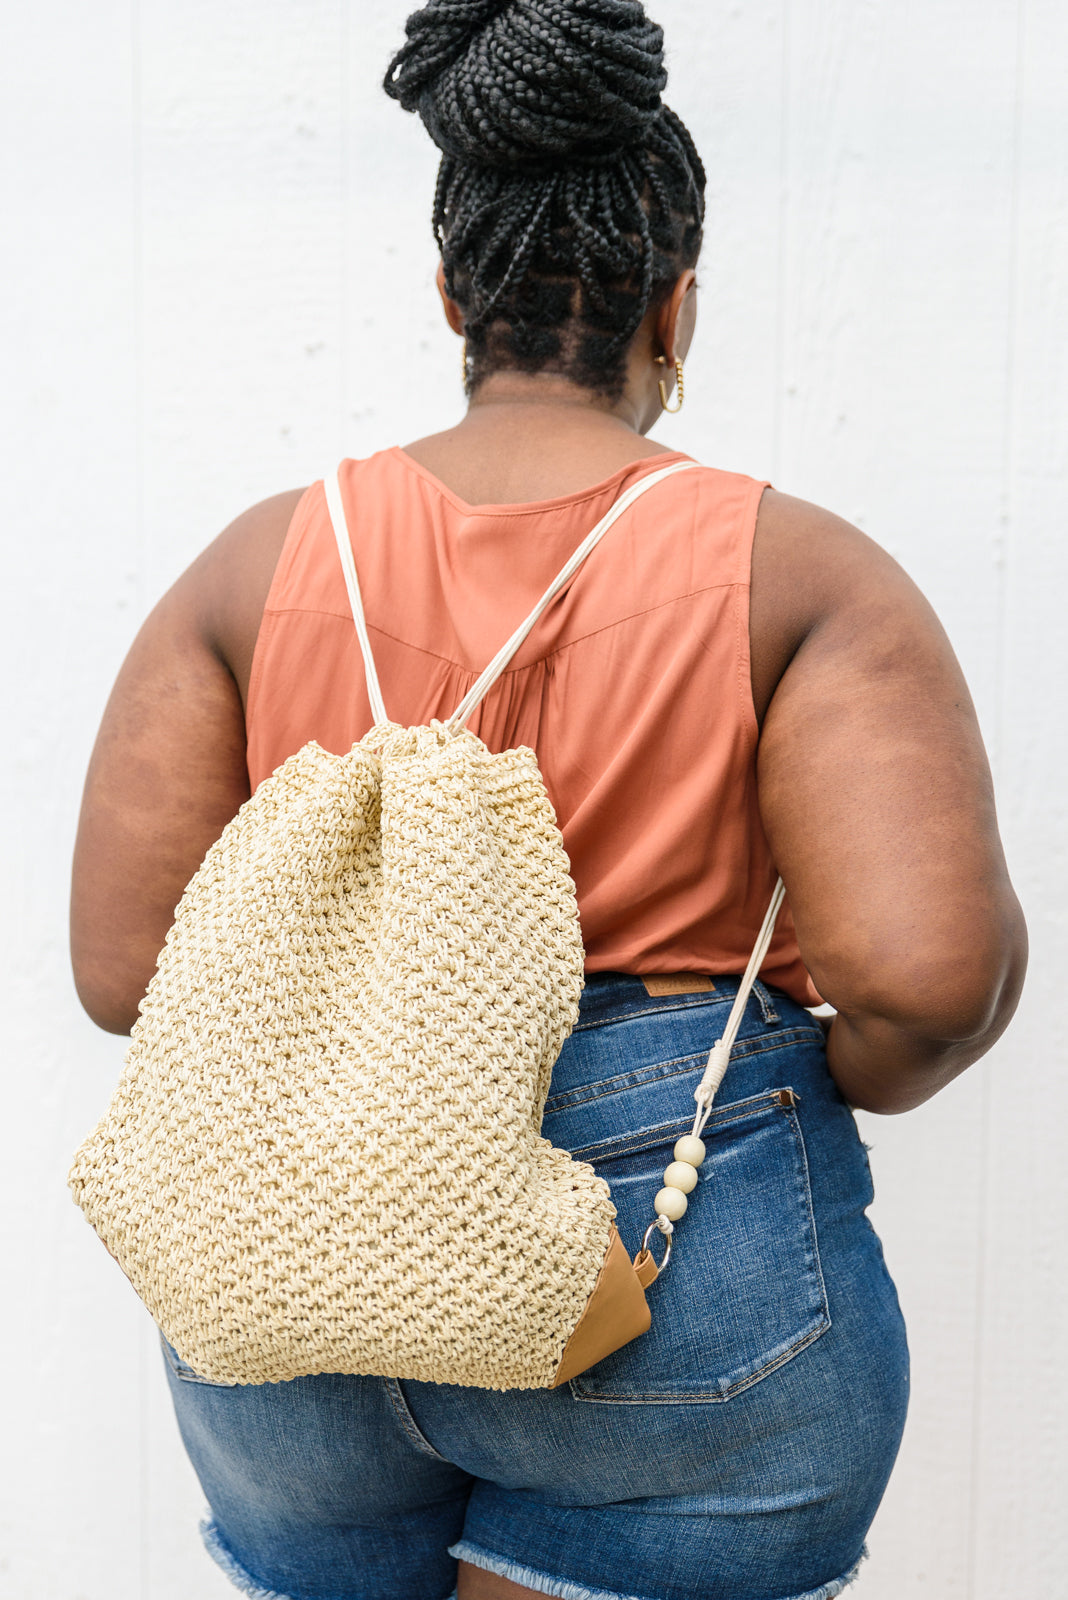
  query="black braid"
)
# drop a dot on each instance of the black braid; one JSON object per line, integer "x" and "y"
{"x": 569, "y": 197}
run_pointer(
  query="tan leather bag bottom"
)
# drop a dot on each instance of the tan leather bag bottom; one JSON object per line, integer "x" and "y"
{"x": 615, "y": 1313}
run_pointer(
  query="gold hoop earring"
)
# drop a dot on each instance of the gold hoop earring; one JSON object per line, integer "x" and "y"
{"x": 678, "y": 385}
{"x": 463, "y": 363}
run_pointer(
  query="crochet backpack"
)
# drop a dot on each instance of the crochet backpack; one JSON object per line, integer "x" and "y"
{"x": 324, "y": 1154}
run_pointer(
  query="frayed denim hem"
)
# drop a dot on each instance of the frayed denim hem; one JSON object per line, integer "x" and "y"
{"x": 563, "y": 1589}
{"x": 234, "y": 1571}
{"x": 541, "y": 1581}
{"x": 827, "y": 1591}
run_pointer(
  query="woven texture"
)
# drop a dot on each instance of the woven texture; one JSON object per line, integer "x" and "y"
{"x": 324, "y": 1153}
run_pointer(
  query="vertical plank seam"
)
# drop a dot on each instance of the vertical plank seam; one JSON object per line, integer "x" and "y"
{"x": 341, "y": 438}
{"x": 144, "y": 1574}
{"x": 1002, "y": 560}
{"x": 138, "y": 309}
{"x": 780, "y": 287}
{"x": 144, "y": 1508}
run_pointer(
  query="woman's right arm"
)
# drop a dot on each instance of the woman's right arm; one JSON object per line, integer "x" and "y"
{"x": 878, "y": 805}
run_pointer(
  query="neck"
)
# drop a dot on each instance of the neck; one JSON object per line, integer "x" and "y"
{"x": 543, "y": 400}
{"x": 529, "y": 437}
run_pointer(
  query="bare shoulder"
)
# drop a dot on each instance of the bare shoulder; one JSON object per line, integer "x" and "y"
{"x": 168, "y": 770}
{"x": 818, "y": 582}
{"x": 226, "y": 587}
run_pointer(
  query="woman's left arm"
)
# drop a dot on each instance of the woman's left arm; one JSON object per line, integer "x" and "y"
{"x": 168, "y": 770}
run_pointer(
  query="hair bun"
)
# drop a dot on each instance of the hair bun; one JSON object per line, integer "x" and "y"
{"x": 504, "y": 83}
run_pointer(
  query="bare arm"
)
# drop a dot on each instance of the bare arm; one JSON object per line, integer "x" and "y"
{"x": 168, "y": 770}
{"x": 874, "y": 788}
{"x": 878, "y": 805}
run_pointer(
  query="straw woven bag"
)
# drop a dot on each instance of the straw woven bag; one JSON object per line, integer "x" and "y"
{"x": 323, "y": 1154}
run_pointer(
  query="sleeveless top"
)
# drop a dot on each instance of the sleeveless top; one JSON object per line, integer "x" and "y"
{"x": 633, "y": 689}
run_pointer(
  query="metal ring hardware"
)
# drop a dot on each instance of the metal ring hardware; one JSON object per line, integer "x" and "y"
{"x": 654, "y": 1227}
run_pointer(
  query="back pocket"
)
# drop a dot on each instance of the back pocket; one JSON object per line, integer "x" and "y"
{"x": 184, "y": 1371}
{"x": 744, "y": 1292}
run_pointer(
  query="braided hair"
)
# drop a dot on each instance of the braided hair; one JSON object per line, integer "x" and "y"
{"x": 569, "y": 197}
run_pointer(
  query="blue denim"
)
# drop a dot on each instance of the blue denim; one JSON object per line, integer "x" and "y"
{"x": 737, "y": 1451}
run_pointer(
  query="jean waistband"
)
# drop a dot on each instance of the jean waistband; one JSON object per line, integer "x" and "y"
{"x": 622, "y": 993}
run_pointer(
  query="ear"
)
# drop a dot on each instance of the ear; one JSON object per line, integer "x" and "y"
{"x": 677, "y": 318}
{"x": 453, "y": 315}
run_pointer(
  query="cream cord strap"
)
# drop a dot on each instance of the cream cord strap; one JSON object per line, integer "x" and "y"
{"x": 720, "y": 1054}
{"x": 352, "y": 583}
{"x": 592, "y": 539}
{"x": 500, "y": 661}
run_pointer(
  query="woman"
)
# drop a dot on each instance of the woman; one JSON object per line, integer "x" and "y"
{"x": 736, "y": 683}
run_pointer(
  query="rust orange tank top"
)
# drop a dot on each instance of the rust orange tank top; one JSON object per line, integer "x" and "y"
{"x": 633, "y": 689}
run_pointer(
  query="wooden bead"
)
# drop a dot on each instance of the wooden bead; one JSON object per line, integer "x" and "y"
{"x": 690, "y": 1149}
{"x": 681, "y": 1175}
{"x": 670, "y": 1203}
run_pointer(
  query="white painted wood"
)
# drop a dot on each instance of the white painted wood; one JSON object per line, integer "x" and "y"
{"x": 217, "y": 276}
{"x": 1021, "y": 1402}
{"x": 242, "y": 239}
{"x": 242, "y": 225}
{"x": 70, "y": 1511}
{"x": 891, "y": 410}
{"x": 726, "y": 65}
{"x": 402, "y": 364}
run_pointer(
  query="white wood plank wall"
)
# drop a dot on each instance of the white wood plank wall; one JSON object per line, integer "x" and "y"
{"x": 216, "y": 278}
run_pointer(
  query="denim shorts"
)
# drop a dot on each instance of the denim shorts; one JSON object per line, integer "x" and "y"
{"x": 736, "y": 1451}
